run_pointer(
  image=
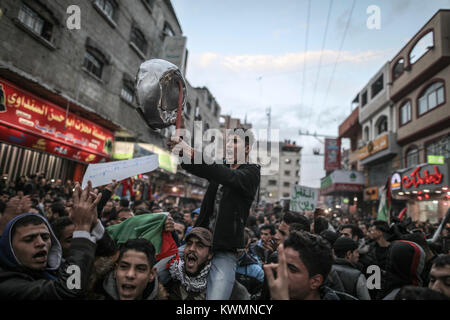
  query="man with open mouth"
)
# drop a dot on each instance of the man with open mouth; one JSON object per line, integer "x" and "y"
{"x": 190, "y": 275}
{"x": 30, "y": 254}
{"x": 134, "y": 275}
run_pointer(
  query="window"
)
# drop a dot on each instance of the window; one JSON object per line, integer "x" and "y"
{"x": 439, "y": 147}
{"x": 366, "y": 134}
{"x": 286, "y": 184}
{"x": 287, "y": 172}
{"x": 168, "y": 31}
{"x": 93, "y": 64}
{"x": 364, "y": 99}
{"x": 139, "y": 40}
{"x": 405, "y": 113}
{"x": 35, "y": 22}
{"x": 272, "y": 182}
{"x": 421, "y": 47}
{"x": 286, "y": 195}
{"x": 107, "y": 7}
{"x": 398, "y": 68}
{"x": 432, "y": 97}
{"x": 127, "y": 92}
{"x": 377, "y": 86}
{"x": 188, "y": 109}
{"x": 209, "y": 101}
{"x": 412, "y": 157}
{"x": 216, "y": 111}
{"x": 382, "y": 125}
{"x": 287, "y": 161}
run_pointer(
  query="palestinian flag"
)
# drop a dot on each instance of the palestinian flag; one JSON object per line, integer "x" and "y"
{"x": 384, "y": 208}
{"x": 147, "y": 226}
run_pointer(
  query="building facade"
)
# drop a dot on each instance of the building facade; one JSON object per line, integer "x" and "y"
{"x": 85, "y": 75}
{"x": 278, "y": 186}
{"x": 420, "y": 92}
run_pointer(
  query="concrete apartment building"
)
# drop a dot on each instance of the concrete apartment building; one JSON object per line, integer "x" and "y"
{"x": 277, "y": 186}
{"x": 420, "y": 91}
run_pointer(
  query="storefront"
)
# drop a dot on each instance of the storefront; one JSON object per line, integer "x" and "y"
{"x": 37, "y": 135}
{"x": 425, "y": 188}
{"x": 345, "y": 188}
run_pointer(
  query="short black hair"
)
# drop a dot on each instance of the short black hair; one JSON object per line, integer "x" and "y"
{"x": 58, "y": 207}
{"x": 419, "y": 293}
{"x": 59, "y": 225}
{"x": 320, "y": 224}
{"x": 260, "y": 218}
{"x": 140, "y": 245}
{"x": 139, "y": 202}
{"x": 251, "y": 221}
{"x": 269, "y": 226}
{"x": 245, "y": 134}
{"x": 31, "y": 219}
{"x": 330, "y": 236}
{"x": 356, "y": 231}
{"x": 442, "y": 261}
{"x": 124, "y": 210}
{"x": 291, "y": 217}
{"x": 314, "y": 251}
{"x": 124, "y": 202}
{"x": 382, "y": 226}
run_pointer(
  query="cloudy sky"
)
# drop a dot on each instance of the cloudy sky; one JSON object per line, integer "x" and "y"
{"x": 255, "y": 54}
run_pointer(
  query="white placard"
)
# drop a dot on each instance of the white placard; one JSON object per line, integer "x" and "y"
{"x": 303, "y": 198}
{"x": 104, "y": 173}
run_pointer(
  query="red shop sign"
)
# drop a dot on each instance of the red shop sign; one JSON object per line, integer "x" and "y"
{"x": 25, "y": 112}
{"x": 414, "y": 179}
{"x": 31, "y": 141}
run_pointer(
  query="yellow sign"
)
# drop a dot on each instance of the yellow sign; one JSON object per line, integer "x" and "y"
{"x": 374, "y": 146}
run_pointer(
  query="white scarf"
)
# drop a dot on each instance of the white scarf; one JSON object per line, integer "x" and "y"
{"x": 191, "y": 284}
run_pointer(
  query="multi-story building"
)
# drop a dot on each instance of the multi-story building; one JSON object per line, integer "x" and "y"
{"x": 278, "y": 186}
{"x": 342, "y": 187}
{"x": 378, "y": 148}
{"x": 419, "y": 90}
{"x": 69, "y": 91}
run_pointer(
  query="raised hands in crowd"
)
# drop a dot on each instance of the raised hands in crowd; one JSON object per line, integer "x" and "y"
{"x": 99, "y": 233}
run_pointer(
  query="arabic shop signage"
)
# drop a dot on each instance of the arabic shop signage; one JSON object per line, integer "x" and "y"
{"x": 24, "y": 139}
{"x": 374, "y": 146}
{"x": 25, "y": 112}
{"x": 424, "y": 176}
{"x": 303, "y": 198}
{"x": 332, "y": 154}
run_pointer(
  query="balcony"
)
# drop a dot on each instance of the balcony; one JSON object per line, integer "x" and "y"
{"x": 383, "y": 147}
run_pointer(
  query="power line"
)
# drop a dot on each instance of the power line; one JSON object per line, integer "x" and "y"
{"x": 338, "y": 56}
{"x": 321, "y": 51}
{"x": 308, "y": 15}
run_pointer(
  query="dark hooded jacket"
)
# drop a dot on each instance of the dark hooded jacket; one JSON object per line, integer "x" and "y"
{"x": 18, "y": 282}
{"x": 239, "y": 191}
{"x": 406, "y": 261}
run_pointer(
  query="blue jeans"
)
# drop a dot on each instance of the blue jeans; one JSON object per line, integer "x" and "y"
{"x": 221, "y": 276}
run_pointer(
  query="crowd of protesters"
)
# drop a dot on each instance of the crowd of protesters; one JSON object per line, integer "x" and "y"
{"x": 50, "y": 225}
